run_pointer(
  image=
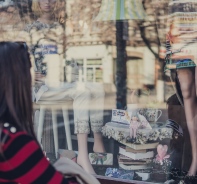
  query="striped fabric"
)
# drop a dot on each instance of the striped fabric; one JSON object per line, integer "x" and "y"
{"x": 183, "y": 14}
{"x": 120, "y": 10}
{"x": 182, "y": 26}
{"x": 23, "y": 161}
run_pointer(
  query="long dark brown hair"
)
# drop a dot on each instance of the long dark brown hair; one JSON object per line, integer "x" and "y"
{"x": 15, "y": 86}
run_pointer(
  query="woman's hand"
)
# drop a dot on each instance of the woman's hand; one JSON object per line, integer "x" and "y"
{"x": 39, "y": 77}
{"x": 69, "y": 167}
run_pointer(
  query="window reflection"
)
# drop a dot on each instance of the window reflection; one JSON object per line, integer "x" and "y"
{"x": 78, "y": 62}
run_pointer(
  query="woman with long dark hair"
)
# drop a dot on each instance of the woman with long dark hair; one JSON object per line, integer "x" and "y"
{"x": 21, "y": 158}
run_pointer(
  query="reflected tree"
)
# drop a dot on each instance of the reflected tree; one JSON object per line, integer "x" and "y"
{"x": 153, "y": 32}
{"x": 25, "y": 10}
{"x": 154, "y": 28}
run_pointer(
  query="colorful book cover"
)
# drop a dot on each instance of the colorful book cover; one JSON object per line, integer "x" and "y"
{"x": 136, "y": 156}
{"x": 128, "y": 149}
{"x": 133, "y": 167}
{"x": 140, "y": 146}
{"x": 128, "y": 161}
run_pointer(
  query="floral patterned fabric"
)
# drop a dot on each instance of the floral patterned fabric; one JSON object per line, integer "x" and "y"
{"x": 120, "y": 132}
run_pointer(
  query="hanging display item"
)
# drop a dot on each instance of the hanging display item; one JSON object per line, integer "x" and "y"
{"x": 181, "y": 37}
{"x": 121, "y": 10}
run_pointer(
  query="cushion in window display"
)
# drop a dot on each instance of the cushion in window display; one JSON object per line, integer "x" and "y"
{"x": 120, "y": 132}
{"x": 119, "y": 173}
{"x": 101, "y": 158}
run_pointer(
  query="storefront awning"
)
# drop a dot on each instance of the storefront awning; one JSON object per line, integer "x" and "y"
{"x": 120, "y": 10}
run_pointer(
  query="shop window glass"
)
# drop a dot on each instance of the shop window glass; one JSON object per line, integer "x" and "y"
{"x": 105, "y": 90}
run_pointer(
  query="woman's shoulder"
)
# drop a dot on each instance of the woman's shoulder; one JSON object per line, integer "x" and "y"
{"x": 10, "y": 132}
{"x": 29, "y": 26}
{"x": 12, "y": 135}
{"x": 9, "y": 128}
{"x": 38, "y": 25}
{"x": 34, "y": 25}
